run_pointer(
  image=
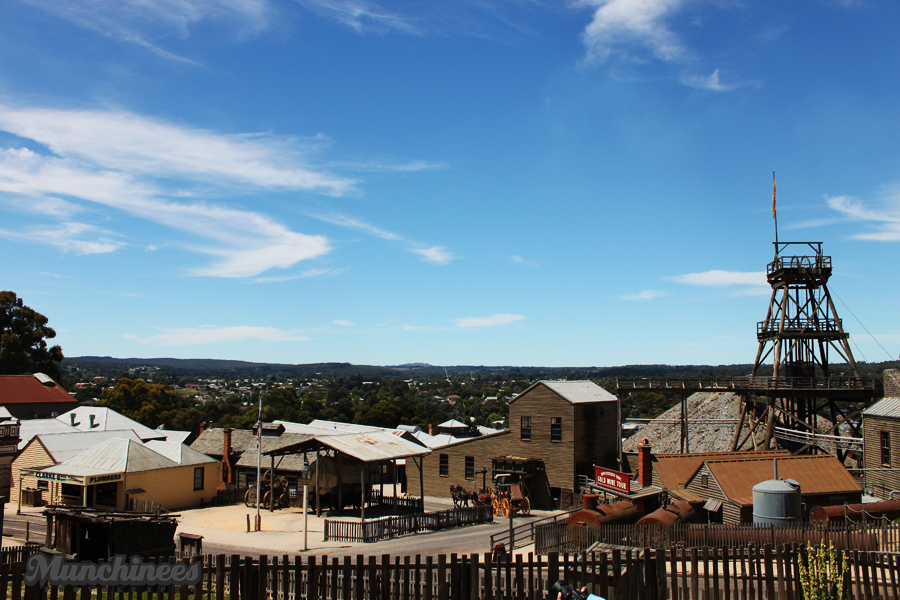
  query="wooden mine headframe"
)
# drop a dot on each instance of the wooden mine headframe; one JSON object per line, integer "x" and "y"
{"x": 800, "y": 331}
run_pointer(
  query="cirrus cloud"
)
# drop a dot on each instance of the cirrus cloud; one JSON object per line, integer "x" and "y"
{"x": 489, "y": 321}
{"x": 211, "y": 334}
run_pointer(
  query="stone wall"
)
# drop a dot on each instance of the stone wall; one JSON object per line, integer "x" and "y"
{"x": 892, "y": 383}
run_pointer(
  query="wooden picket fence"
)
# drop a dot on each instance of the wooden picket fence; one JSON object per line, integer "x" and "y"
{"x": 753, "y": 573}
{"x": 391, "y": 527}
{"x": 873, "y": 536}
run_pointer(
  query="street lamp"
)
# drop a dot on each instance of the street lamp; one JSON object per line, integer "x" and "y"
{"x": 304, "y": 472}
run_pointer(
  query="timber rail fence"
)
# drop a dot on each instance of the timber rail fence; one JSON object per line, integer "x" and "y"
{"x": 752, "y": 573}
{"x": 391, "y": 527}
{"x": 873, "y": 536}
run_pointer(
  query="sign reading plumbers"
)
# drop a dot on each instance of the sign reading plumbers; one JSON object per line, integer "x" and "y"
{"x": 612, "y": 480}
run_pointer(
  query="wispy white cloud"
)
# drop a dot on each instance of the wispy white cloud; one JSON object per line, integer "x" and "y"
{"x": 139, "y": 145}
{"x": 131, "y": 163}
{"x": 883, "y": 213}
{"x": 78, "y": 238}
{"x": 343, "y": 323}
{"x": 49, "y": 206}
{"x": 438, "y": 255}
{"x": 139, "y": 21}
{"x": 211, "y": 334}
{"x": 489, "y": 321}
{"x": 710, "y": 82}
{"x": 643, "y": 296}
{"x": 301, "y": 275}
{"x": 717, "y": 278}
{"x": 622, "y": 24}
{"x": 363, "y": 15}
{"x": 515, "y": 258}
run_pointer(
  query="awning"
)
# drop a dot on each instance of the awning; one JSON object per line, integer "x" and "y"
{"x": 712, "y": 505}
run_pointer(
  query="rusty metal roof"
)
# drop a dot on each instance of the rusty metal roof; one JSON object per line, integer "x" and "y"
{"x": 675, "y": 470}
{"x": 819, "y": 474}
{"x": 28, "y": 389}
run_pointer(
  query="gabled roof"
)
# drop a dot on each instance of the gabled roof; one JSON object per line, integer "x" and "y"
{"x": 31, "y": 427}
{"x": 453, "y": 424}
{"x": 574, "y": 392}
{"x": 106, "y": 419}
{"x": 816, "y": 474}
{"x": 29, "y": 389}
{"x": 675, "y": 470}
{"x": 887, "y": 407}
{"x": 311, "y": 429}
{"x": 62, "y": 446}
{"x": 178, "y": 452}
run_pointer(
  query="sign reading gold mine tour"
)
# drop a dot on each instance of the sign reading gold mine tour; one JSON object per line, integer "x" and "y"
{"x": 612, "y": 480}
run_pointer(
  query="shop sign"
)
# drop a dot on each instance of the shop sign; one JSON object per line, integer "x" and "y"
{"x": 59, "y": 477}
{"x": 104, "y": 478}
{"x": 612, "y": 480}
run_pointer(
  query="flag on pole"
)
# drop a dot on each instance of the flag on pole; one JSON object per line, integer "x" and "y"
{"x": 773, "y": 196}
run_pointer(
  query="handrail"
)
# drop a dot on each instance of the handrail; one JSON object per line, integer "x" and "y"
{"x": 527, "y": 537}
{"x": 747, "y": 382}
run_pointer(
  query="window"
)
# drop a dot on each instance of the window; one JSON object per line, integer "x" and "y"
{"x": 470, "y": 467}
{"x": 704, "y": 480}
{"x": 444, "y": 466}
{"x": 43, "y": 484}
{"x": 885, "y": 448}
{"x": 71, "y": 490}
{"x": 555, "y": 429}
{"x": 526, "y": 429}
{"x": 198, "y": 478}
{"x": 105, "y": 493}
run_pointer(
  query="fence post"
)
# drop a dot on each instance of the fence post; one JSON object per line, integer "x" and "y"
{"x": 552, "y": 568}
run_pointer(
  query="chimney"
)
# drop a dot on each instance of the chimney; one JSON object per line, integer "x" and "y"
{"x": 226, "y": 450}
{"x": 72, "y": 418}
{"x": 645, "y": 463}
{"x": 226, "y": 474}
{"x": 92, "y": 417}
{"x": 202, "y": 427}
{"x": 775, "y": 460}
{"x": 431, "y": 429}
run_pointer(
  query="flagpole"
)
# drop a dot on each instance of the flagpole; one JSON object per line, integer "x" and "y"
{"x": 774, "y": 214}
{"x": 258, "y": 462}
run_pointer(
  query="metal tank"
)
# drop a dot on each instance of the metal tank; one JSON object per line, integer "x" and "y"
{"x": 668, "y": 516}
{"x": 870, "y": 511}
{"x": 776, "y": 502}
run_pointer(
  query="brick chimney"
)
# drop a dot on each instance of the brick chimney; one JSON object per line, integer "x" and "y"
{"x": 431, "y": 429}
{"x": 225, "y": 471}
{"x": 202, "y": 427}
{"x": 645, "y": 463}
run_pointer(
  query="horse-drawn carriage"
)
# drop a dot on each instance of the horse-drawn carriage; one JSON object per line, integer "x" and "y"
{"x": 509, "y": 497}
{"x": 277, "y": 493}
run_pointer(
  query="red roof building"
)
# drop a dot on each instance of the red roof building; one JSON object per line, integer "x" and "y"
{"x": 34, "y": 396}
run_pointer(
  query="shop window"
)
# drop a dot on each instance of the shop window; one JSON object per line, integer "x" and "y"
{"x": 555, "y": 429}
{"x": 444, "y": 465}
{"x": 105, "y": 493}
{"x": 470, "y": 467}
{"x": 526, "y": 429}
{"x": 70, "y": 490}
{"x": 198, "y": 478}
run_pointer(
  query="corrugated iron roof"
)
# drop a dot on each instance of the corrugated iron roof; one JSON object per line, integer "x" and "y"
{"x": 178, "y": 452}
{"x": 119, "y": 455}
{"x": 311, "y": 429}
{"x": 366, "y": 447}
{"x": 452, "y": 423}
{"x": 62, "y": 446}
{"x": 212, "y": 441}
{"x": 27, "y": 389}
{"x": 106, "y": 419}
{"x": 32, "y": 427}
{"x": 675, "y": 470}
{"x": 888, "y": 407}
{"x": 818, "y": 474}
{"x": 574, "y": 391}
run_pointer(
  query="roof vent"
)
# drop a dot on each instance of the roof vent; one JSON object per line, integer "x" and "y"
{"x": 44, "y": 379}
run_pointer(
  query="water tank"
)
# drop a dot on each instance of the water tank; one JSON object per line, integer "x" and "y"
{"x": 776, "y": 502}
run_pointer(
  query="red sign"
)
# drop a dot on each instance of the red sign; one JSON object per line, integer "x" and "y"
{"x": 612, "y": 480}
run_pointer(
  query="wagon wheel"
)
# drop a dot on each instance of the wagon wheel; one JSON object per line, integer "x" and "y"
{"x": 505, "y": 508}
{"x": 525, "y": 505}
{"x": 267, "y": 500}
{"x": 495, "y": 507}
{"x": 250, "y": 497}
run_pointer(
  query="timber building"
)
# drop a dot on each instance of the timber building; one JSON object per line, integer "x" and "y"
{"x": 881, "y": 440}
{"x": 558, "y": 431}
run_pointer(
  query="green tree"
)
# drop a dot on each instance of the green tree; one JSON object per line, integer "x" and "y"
{"x": 151, "y": 404}
{"x": 23, "y": 340}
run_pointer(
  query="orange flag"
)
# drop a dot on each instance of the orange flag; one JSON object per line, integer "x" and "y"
{"x": 773, "y": 196}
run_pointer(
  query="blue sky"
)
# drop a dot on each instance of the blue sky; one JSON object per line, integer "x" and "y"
{"x": 495, "y": 182}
